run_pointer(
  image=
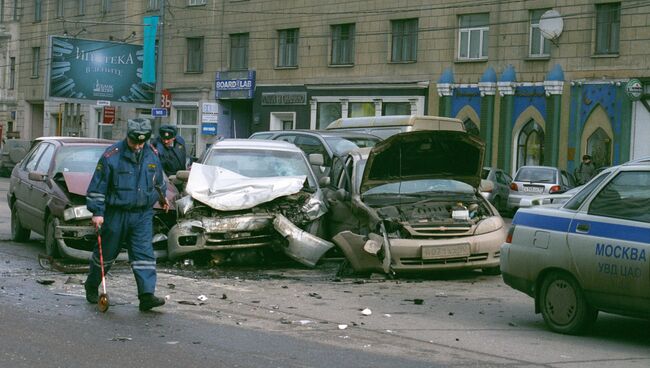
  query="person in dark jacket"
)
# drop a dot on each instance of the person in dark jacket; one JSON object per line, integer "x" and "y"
{"x": 121, "y": 196}
{"x": 171, "y": 148}
{"x": 585, "y": 171}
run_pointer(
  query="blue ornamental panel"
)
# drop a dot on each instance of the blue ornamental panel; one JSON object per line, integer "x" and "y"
{"x": 527, "y": 96}
{"x": 466, "y": 96}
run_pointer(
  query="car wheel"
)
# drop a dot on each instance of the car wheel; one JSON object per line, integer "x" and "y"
{"x": 493, "y": 271}
{"x": 18, "y": 232}
{"x": 51, "y": 247}
{"x": 563, "y": 304}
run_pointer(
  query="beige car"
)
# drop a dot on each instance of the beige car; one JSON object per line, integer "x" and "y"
{"x": 412, "y": 203}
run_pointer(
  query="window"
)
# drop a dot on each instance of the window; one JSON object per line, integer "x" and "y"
{"x": 539, "y": 46}
{"x": 327, "y": 113}
{"x": 2, "y": 11}
{"x": 396, "y": 108}
{"x": 405, "y": 40}
{"x": 471, "y": 127}
{"x": 626, "y": 196}
{"x": 530, "y": 145}
{"x": 15, "y": 11}
{"x": 38, "y": 8}
{"x": 342, "y": 44}
{"x": 60, "y": 9}
{"x": 12, "y": 73}
{"x": 599, "y": 146}
{"x": 106, "y": 6}
{"x": 32, "y": 160}
{"x": 608, "y": 24}
{"x": 359, "y": 109}
{"x": 36, "y": 61}
{"x": 194, "y": 62}
{"x": 311, "y": 145}
{"x": 196, "y": 2}
{"x": 187, "y": 122}
{"x": 81, "y": 7}
{"x": 473, "y": 36}
{"x": 153, "y": 5}
{"x": 288, "y": 47}
{"x": 239, "y": 51}
{"x": 44, "y": 162}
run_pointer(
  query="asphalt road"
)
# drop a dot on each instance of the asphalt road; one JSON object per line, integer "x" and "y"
{"x": 288, "y": 316}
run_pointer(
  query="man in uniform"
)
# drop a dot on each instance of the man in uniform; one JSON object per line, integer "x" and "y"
{"x": 171, "y": 148}
{"x": 121, "y": 196}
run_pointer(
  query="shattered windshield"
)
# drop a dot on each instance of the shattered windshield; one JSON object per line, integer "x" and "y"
{"x": 260, "y": 163}
{"x": 81, "y": 159}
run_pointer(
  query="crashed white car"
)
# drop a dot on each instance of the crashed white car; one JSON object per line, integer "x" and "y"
{"x": 248, "y": 197}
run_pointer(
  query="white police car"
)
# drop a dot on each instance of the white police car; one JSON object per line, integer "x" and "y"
{"x": 591, "y": 253}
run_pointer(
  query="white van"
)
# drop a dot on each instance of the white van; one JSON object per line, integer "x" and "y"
{"x": 385, "y": 126}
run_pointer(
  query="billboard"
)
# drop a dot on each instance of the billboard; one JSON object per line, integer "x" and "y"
{"x": 98, "y": 70}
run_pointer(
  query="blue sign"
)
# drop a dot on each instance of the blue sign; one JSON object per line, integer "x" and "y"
{"x": 159, "y": 112}
{"x": 235, "y": 84}
{"x": 209, "y": 129}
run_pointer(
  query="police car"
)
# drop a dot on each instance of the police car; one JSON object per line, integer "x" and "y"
{"x": 588, "y": 254}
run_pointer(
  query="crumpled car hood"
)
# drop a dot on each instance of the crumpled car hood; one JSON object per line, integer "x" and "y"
{"x": 77, "y": 182}
{"x": 225, "y": 190}
{"x": 425, "y": 155}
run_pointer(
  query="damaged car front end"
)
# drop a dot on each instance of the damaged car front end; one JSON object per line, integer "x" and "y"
{"x": 415, "y": 205}
{"x": 249, "y": 197}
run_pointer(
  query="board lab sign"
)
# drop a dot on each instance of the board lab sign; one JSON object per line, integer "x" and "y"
{"x": 235, "y": 84}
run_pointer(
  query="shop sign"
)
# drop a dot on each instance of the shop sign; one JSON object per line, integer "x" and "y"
{"x": 284, "y": 98}
{"x": 209, "y": 129}
{"x": 235, "y": 85}
{"x": 210, "y": 112}
{"x": 634, "y": 89}
{"x": 109, "y": 114}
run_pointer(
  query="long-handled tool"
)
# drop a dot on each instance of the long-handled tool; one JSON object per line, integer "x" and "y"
{"x": 102, "y": 302}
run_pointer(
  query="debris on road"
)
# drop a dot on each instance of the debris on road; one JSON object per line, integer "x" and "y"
{"x": 120, "y": 338}
{"x": 202, "y": 297}
{"x": 366, "y": 312}
{"x": 45, "y": 282}
{"x": 315, "y": 295}
{"x": 343, "y": 327}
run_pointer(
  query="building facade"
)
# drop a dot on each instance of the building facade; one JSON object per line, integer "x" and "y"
{"x": 542, "y": 82}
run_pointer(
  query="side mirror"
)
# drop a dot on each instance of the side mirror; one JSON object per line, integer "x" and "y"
{"x": 34, "y": 176}
{"x": 316, "y": 159}
{"x": 324, "y": 181}
{"x": 182, "y": 175}
{"x": 486, "y": 186}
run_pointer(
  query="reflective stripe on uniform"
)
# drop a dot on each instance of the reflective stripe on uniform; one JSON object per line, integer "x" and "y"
{"x": 96, "y": 196}
{"x": 143, "y": 265}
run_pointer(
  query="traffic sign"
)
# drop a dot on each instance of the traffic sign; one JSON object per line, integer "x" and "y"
{"x": 159, "y": 112}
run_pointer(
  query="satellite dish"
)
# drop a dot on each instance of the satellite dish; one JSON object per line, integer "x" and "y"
{"x": 551, "y": 24}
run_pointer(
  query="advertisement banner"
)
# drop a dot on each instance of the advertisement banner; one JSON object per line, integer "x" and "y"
{"x": 98, "y": 70}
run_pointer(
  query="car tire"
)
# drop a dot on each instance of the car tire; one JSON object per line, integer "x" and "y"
{"x": 18, "y": 232}
{"x": 564, "y": 306}
{"x": 492, "y": 271}
{"x": 51, "y": 246}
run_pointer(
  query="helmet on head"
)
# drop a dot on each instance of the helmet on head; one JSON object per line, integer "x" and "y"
{"x": 167, "y": 131}
{"x": 138, "y": 130}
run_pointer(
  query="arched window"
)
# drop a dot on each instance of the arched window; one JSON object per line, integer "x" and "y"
{"x": 599, "y": 146}
{"x": 470, "y": 127}
{"x": 530, "y": 145}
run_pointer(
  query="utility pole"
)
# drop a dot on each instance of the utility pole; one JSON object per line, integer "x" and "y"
{"x": 159, "y": 61}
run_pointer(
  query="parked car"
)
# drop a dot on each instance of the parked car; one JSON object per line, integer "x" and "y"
{"x": 328, "y": 144}
{"x": 391, "y": 211}
{"x": 385, "y": 126}
{"x": 249, "y": 198}
{"x": 538, "y": 180}
{"x": 590, "y": 254}
{"x": 13, "y": 150}
{"x": 500, "y": 192}
{"x": 47, "y": 195}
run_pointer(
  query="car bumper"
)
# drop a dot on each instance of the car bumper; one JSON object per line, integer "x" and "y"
{"x": 514, "y": 199}
{"x": 78, "y": 242}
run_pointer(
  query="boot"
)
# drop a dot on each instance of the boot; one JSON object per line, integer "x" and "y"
{"x": 92, "y": 295}
{"x": 148, "y": 301}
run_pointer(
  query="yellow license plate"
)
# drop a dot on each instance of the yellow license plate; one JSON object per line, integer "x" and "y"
{"x": 445, "y": 251}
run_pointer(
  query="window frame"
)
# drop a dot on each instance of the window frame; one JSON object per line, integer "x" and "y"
{"x": 12, "y": 72}
{"x": 60, "y": 9}
{"x": 612, "y": 31}
{"x": 81, "y": 7}
{"x": 239, "y": 48}
{"x": 190, "y": 56}
{"x": 38, "y": 11}
{"x": 105, "y": 6}
{"x": 36, "y": 61}
{"x": 196, "y": 2}
{"x": 404, "y": 42}
{"x": 287, "y": 54}
{"x": 484, "y": 38}
{"x": 544, "y": 43}
{"x": 342, "y": 50}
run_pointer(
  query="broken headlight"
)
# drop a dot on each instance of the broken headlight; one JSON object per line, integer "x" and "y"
{"x": 77, "y": 213}
{"x": 314, "y": 208}
{"x": 184, "y": 205}
{"x": 489, "y": 225}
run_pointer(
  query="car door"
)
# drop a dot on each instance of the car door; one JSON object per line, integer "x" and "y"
{"x": 310, "y": 144}
{"x": 609, "y": 240}
{"x": 27, "y": 211}
{"x": 42, "y": 190}
{"x": 340, "y": 215}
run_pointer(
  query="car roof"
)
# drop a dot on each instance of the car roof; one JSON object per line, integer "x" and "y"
{"x": 538, "y": 167}
{"x": 255, "y": 144}
{"x": 322, "y": 133}
{"x": 74, "y": 140}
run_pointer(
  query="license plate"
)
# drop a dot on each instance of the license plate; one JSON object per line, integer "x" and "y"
{"x": 533, "y": 189}
{"x": 445, "y": 251}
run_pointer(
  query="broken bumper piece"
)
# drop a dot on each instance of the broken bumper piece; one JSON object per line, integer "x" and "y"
{"x": 302, "y": 246}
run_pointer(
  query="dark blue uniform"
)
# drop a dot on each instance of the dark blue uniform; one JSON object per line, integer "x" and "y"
{"x": 123, "y": 191}
{"x": 172, "y": 158}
